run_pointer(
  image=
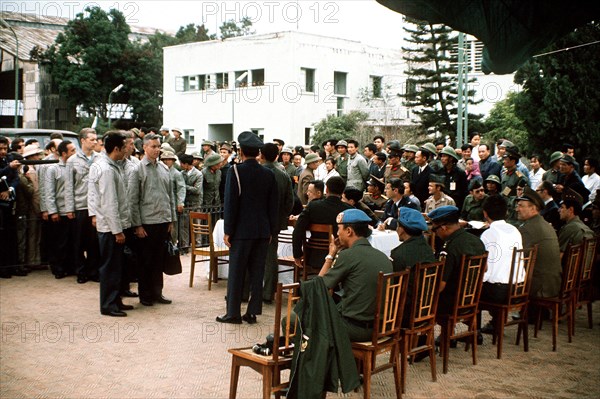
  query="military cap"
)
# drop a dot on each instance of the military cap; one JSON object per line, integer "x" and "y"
{"x": 533, "y": 197}
{"x": 166, "y": 147}
{"x": 450, "y": 151}
{"x": 286, "y": 150}
{"x": 207, "y": 142}
{"x": 430, "y": 148}
{"x": 395, "y": 146}
{"x": 168, "y": 155}
{"x": 412, "y": 219}
{"x": 342, "y": 143}
{"x": 249, "y": 140}
{"x": 571, "y": 195}
{"x": 437, "y": 179}
{"x": 567, "y": 159}
{"x": 493, "y": 178}
{"x": 135, "y": 131}
{"x": 556, "y": 155}
{"x": 443, "y": 213}
{"x": 177, "y": 129}
{"x": 375, "y": 181}
{"x": 212, "y": 160}
{"x": 512, "y": 152}
{"x": 164, "y": 128}
{"x": 197, "y": 155}
{"x": 506, "y": 144}
{"x": 350, "y": 216}
{"x": 226, "y": 146}
{"x": 310, "y": 158}
{"x": 410, "y": 148}
{"x": 31, "y": 150}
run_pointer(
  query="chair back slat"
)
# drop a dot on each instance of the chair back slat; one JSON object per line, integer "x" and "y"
{"x": 284, "y": 307}
{"x": 318, "y": 241}
{"x": 425, "y": 294}
{"x": 570, "y": 269}
{"x": 521, "y": 274}
{"x": 201, "y": 225}
{"x": 587, "y": 261}
{"x": 469, "y": 284}
{"x": 391, "y": 297}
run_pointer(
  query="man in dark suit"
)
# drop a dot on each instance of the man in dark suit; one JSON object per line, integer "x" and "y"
{"x": 550, "y": 211}
{"x": 420, "y": 176}
{"x": 323, "y": 212}
{"x": 251, "y": 206}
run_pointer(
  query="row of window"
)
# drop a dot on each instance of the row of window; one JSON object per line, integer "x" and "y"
{"x": 256, "y": 77}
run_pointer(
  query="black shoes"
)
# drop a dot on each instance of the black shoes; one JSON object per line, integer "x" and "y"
{"x": 163, "y": 300}
{"x": 130, "y": 294}
{"x": 146, "y": 303}
{"x": 122, "y": 306}
{"x": 20, "y": 271}
{"x": 60, "y": 275}
{"x": 249, "y": 318}
{"x": 488, "y": 329}
{"x": 82, "y": 280}
{"x": 113, "y": 313}
{"x": 229, "y": 319}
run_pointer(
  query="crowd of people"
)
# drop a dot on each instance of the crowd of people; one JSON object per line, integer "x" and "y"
{"x": 103, "y": 210}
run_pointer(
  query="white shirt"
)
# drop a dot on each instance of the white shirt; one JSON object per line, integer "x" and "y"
{"x": 320, "y": 172}
{"x": 535, "y": 178}
{"x": 500, "y": 240}
{"x": 592, "y": 183}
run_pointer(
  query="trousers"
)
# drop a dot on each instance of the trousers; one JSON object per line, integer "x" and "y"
{"x": 111, "y": 264}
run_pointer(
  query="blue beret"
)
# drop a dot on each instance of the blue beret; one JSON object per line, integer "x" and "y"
{"x": 352, "y": 216}
{"x": 442, "y": 212}
{"x": 412, "y": 219}
{"x": 250, "y": 140}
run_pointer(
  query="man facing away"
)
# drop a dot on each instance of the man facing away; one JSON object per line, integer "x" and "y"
{"x": 251, "y": 220}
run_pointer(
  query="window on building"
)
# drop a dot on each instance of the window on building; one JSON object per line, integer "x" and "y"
{"x": 376, "y": 86}
{"x": 222, "y": 80}
{"x": 192, "y": 83}
{"x": 340, "y": 106}
{"x": 179, "y": 85}
{"x": 339, "y": 83}
{"x": 308, "y": 80}
{"x": 241, "y": 78}
{"x": 258, "y": 77}
{"x": 411, "y": 87}
{"x": 189, "y": 136}
{"x": 260, "y": 132}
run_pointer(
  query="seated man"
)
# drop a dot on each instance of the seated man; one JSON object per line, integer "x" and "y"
{"x": 438, "y": 198}
{"x": 574, "y": 231}
{"x": 323, "y": 212}
{"x": 473, "y": 206}
{"x": 356, "y": 268}
{"x": 499, "y": 240}
{"x": 394, "y": 190}
{"x": 373, "y": 198}
{"x": 353, "y": 197}
{"x": 550, "y": 212}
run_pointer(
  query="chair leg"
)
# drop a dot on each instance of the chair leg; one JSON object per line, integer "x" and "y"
{"x": 396, "y": 369}
{"x": 525, "y": 324}
{"x": 538, "y": 315}
{"x": 235, "y": 374}
{"x": 446, "y": 343}
{"x": 404, "y": 360}
{"x": 367, "y": 375}
{"x": 555, "y": 313}
{"x": 192, "y": 266}
{"x": 500, "y": 332}
{"x": 431, "y": 343}
{"x": 589, "y": 314}
{"x": 210, "y": 273}
{"x": 570, "y": 320}
{"x": 267, "y": 373}
{"x": 474, "y": 337}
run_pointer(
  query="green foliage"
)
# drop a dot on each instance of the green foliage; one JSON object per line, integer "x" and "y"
{"x": 193, "y": 33}
{"x": 502, "y": 122}
{"x": 432, "y": 82}
{"x": 347, "y": 126}
{"x": 560, "y": 101}
{"x": 232, "y": 29}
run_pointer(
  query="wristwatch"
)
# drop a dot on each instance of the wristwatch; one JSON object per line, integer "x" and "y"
{"x": 329, "y": 257}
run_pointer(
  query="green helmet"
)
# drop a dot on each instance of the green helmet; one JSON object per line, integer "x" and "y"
{"x": 450, "y": 151}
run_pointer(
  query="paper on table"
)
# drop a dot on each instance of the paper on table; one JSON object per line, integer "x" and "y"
{"x": 477, "y": 224}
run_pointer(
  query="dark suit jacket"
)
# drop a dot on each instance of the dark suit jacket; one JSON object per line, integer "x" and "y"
{"x": 421, "y": 182}
{"x": 253, "y": 214}
{"x": 324, "y": 212}
{"x": 551, "y": 215}
{"x": 285, "y": 193}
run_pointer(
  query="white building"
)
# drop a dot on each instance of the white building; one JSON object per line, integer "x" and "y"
{"x": 277, "y": 85}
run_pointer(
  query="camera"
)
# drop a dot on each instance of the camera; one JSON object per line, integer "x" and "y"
{"x": 262, "y": 349}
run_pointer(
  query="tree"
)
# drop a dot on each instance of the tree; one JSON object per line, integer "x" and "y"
{"x": 502, "y": 122}
{"x": 232, "y": 29}
{"x": 433, "y": 76}
{"x": 193, "y": 33}
{"x": 560, "y": 101}
{"x": 344, "y": 127}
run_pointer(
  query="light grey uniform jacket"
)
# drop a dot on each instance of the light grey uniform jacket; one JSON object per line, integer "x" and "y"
{"x": 76, "y": 182}
{"x": 54, "y": 189}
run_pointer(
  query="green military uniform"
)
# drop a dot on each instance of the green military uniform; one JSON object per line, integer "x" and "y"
{"x": 472, "y": 209}
{"x": 357, "y": 269}
{"x": 398, "y": 172}
{"x": 374, "y": 203}
{"x": 342, "y": 166}
{"x": 510, "y": 180}
{"x": 458, "y": 244}
{"x": 290, "y": 169}
{"x": 551, "y": 176}
{"x": 211, "y": 187}
{"x": 574, "y": 232}
{"x": 409, "y": 165}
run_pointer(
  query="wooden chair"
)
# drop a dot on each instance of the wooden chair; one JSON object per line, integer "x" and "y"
{"x": 421, "y": 320}
{"x": 584, "y": 291}
{"x": 287, "y": 259}
{"x": 391, "y": 296}
{"x": 561, "y": 306}
{"x": 465, "y": 306}
{"x": 281, "y": 358}
{"x": 318, "y": 239}
{"x": 519, "y": 284}
{"x": 201, "y": 230}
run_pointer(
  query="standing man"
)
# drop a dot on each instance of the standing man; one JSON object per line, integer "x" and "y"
{"x": 438, "y": 198}
{"x": 487, "y": 166}
{"x": 379, "y": 142}
{"x": 61, "y": 253}
{"x": 342, "y": 160}
{"x": 512, "y": 176}
{"x": 84, "y": 239}
{"x": 207, "y": 148}
{"x": 178, "y": 184}
{"x": 570, "y": 178}
{"x": 590, "y": 178}
{"x": 394, "y": 169}
{"x": 536, "y": 173}
{"x": 286, "y": 162}
{"x": 152, "y": 216}
{"x": 8, "y": 234}
{"x": 455, "y": 180}
{"x": 358, "y": 170}
{"x": 550, "y": 211}
{"x": 193, "y": 197}
{"x": 420, "y": 175}
{"x": 286, "y": 202}
{"x": 108, "y": 202}
{"x": 211, "y": 181}
{"x": 307, "y": 175}
{"x": 251, "y": 221}
{"x": 178, "y": 143}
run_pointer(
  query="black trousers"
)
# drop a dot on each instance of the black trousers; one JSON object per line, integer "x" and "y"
{"x": 495, "y": 293}
{"x": 130, "y": 269}
{"x": 246, "y": 256}
{"x": 151, "y": 254}
{"x": 8, "y": 238}
{"x": 60, "y": 249}
{"x": 111, "y": 264}
{"x": 85, "y": 240}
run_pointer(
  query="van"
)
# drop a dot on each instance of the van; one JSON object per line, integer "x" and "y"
{"x": 41, "y": 135}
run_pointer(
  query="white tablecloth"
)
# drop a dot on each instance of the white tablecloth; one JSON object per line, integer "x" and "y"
{"x": 384, "y": 241}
